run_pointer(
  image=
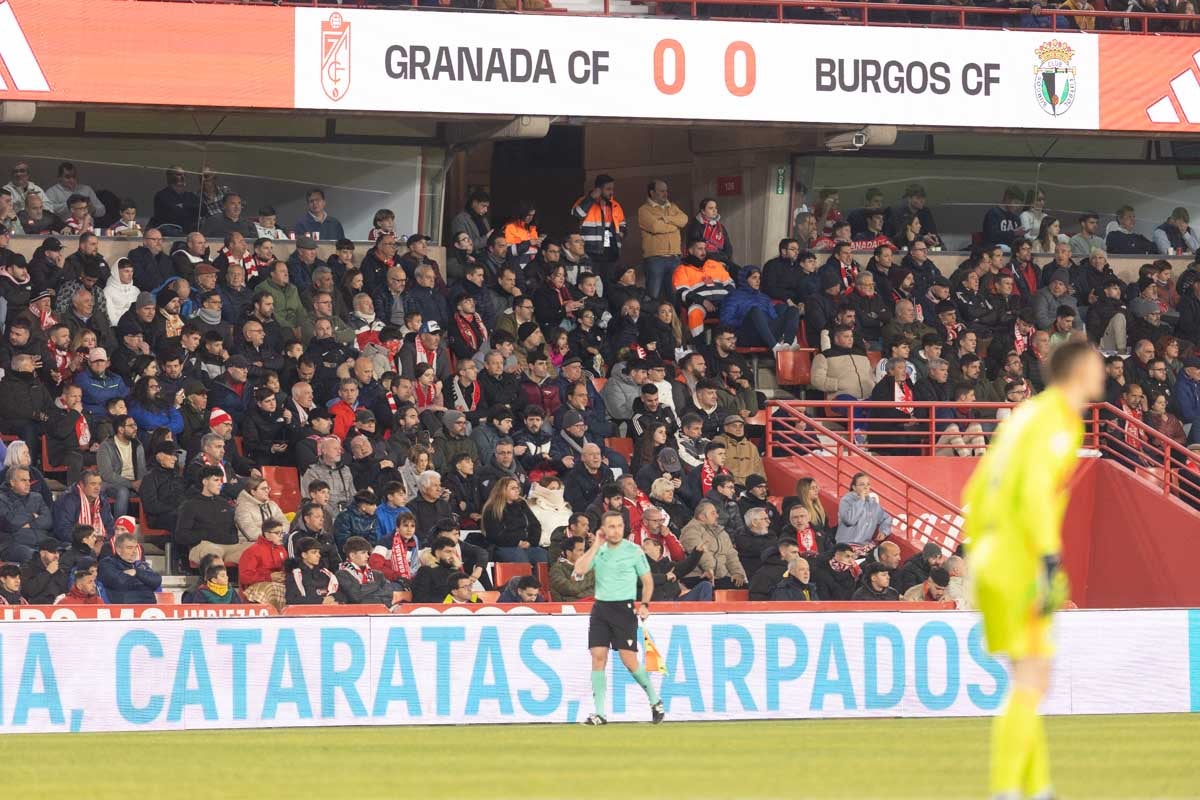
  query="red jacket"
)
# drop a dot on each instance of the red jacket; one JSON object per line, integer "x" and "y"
{"x": 343, "y": 418}
{"x": 259, "y": 560}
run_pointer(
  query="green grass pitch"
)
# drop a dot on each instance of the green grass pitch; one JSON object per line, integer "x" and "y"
{"x": 1152, "y": 756}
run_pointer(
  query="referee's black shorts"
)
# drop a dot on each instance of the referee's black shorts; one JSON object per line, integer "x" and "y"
{"x": 613, "y": 624}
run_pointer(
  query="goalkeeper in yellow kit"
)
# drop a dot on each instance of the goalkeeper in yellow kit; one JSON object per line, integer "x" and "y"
{"x": 1014, "y": 505}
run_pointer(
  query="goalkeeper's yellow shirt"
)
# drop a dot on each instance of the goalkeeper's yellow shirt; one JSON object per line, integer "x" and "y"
{"x": 1015, "y": 501}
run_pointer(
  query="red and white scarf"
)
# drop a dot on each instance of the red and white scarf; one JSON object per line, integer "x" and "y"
{"x": 208, "y": 461}
{"x": 1134, "y": 437}
{"x": 89, "y": 513}
{"x": 361, "y": 574}
{"x": 401, "y": 556}
{"x": 46, "y": 318}
{"x": 1020, "y": 341}
{"x": 471, "y": 335}
{"x": 707, "y": 474}
{"x": 853, "y": 568}
{"x": 424, "y": 396}
{"x": 459, "y": 400}
{"x": 61, "y": 359}
{"x": 904, "y": 397}
{"x": 425, "y": 356}
{"x": 807, "y": 540}
{"x": 247, "y": 260}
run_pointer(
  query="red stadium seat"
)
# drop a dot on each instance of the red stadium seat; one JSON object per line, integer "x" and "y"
{"x": 793, "y": 367}
{"x": 873, "y": 356}
{"x": 598, "y": 383}
{"x": 731, "y": 595}
{"x": 489, "y": 597}
{"x": 285, "y": 487}
{"x": 505, "y": 571}
{"x": 621, "y": 444}
{"x": 47, "y": 467}
{"x": 543, "y": 576}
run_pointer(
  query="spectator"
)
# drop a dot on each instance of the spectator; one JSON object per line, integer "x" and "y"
{"x": 861, "y": 520}
{"x": 1002, "y": 223}
{"x": 261, "y": 570}
{"x": 25, "y": 403}
{"x": 742, "y": 458}
{"x": 461, "y": 587}
{"x": 98, "y": 384}
{"x": 875, "y": 586}
{"x": 931, "y": 590}
{"x": 329, "y": 469}
{"x": 121, "y": 461}
{"x": 128, "y": 579}
{"x": 707, "y": 226}
{"x": 85, "y": 590}
{"x": 956, "y": 567}
{"x": 43, "y": 579}
{"x": 215, "y": 590}
{"x": 58, "y": 196}
{"x": 668, "y": 587}
{"x": 660, "y": 221}
{"x": 917, "y": 569}
{"x": 21, "y": 185}
{"x": 510, "y": 526}
{"x": 358, "y": 519}
{"x": 755, "y": 539}
{"x": 81, "y": 504}
{"x": 317, "y": 223}
{"x": 602, "y": 225}
{"x": 308, "y": 580}
{"x": 431, "y": 583}
{"x": 26, "y": 518}
{"x": 174, "y": 206}
{"x": 254, "y": 508}
{"x": 473, "y": 220}
{"x": 359, "y": 583}
{"x": 1047, "y": 301}
{"x": 37, "y": 220}
{"x": 206, "y": 521}
{"x": 894, "y": 421}
{"x": 797, "y": 586}
{"x": 837, "y": 577}
{"x": 229, "y": 220}
{"x": 719, "y": 563}
{"x": 315, "y": 520}
{"x": 701, "y": 285}
{"x": 1084, "y": 242}
{"x": 799, "y": 529}
{"x": 842, "y": 371}
{"x": 564, "y": 586}
{"x": 1122, "y": 239}
{"x": 760, "y": 321}
{"x": 774, "y": 560}
{"x": 522, "y": 589}
{"x": 1187, "y": 397}
{"x": 1176, "y": 237}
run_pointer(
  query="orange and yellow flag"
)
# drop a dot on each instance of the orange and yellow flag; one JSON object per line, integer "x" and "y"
{"x": 654, "y": 662}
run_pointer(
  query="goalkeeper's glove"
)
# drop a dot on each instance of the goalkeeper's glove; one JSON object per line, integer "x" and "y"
{"x": 1056, "y": 590}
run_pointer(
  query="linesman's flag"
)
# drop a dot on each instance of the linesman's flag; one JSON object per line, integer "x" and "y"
{"x": 654, "y": 661}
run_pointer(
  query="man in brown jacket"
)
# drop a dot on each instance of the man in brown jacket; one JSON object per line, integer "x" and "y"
{"x": 660, "y": 221}
{"x": 720, "y": 563}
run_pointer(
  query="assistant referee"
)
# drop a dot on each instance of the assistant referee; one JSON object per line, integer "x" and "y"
{"x": 620, "y": 567}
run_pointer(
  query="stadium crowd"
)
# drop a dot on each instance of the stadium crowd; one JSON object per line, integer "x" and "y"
{"x": 441, "y": 418}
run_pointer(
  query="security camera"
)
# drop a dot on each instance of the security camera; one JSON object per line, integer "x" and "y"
{"x": 877, "y": 135}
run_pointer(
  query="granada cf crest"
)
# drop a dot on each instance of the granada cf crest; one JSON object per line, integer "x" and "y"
{"x": 335, "y": 56}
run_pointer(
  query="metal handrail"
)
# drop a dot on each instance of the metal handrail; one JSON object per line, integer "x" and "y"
{"x": 918, "y": 506}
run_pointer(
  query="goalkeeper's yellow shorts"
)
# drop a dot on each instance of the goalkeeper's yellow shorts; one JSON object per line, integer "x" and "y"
{"x": 1013, "y": 622}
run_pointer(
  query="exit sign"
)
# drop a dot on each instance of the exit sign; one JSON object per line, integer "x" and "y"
{"x": 729, "y": 186}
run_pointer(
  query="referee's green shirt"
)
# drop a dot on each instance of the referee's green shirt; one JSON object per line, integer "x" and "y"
{"x": 618, "y": 569}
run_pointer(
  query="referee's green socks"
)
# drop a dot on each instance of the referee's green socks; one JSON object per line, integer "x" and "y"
{"x": 643, "y": 679}
{"x": 599, "y": 690}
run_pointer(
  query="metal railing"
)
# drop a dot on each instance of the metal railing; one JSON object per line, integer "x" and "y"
{"x": 919, "y": 514}
{"x": 848, "y": 439}
{"x": 855, "y": 12}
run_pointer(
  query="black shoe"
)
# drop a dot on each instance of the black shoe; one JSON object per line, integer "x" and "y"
{"x": 657, "y": 713}
{"x": 595, "y": 719}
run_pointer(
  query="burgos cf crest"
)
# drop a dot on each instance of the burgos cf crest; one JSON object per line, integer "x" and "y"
{"x": 1054, "y": 81}
{"x": 335, "y": 56}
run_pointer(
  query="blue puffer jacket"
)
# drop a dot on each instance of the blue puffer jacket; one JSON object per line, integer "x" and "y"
{"x": 741, "y": 300}
{"x": 148, "y": 420}
{"x": 99, "y": 389}
{"x": 353, "y": 522}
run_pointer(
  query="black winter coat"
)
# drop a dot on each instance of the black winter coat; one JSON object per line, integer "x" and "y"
{"x": 517, "y": 524}
{"x": 205, "y": 519}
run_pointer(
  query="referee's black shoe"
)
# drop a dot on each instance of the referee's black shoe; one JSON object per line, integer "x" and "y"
{"x": 657, "y": 713}
{"x": 595, "y": 719}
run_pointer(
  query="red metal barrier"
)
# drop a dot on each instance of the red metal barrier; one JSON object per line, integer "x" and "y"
{"x": 855, "y": 12}
{"x": 919, "y": 512}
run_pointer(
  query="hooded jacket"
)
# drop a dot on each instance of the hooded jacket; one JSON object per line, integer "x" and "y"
{"x": 695, "y": 281}
{"x": 742, "y": 300}
{"x": 550, "y": 508}
{"x": 771, "y": 571}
